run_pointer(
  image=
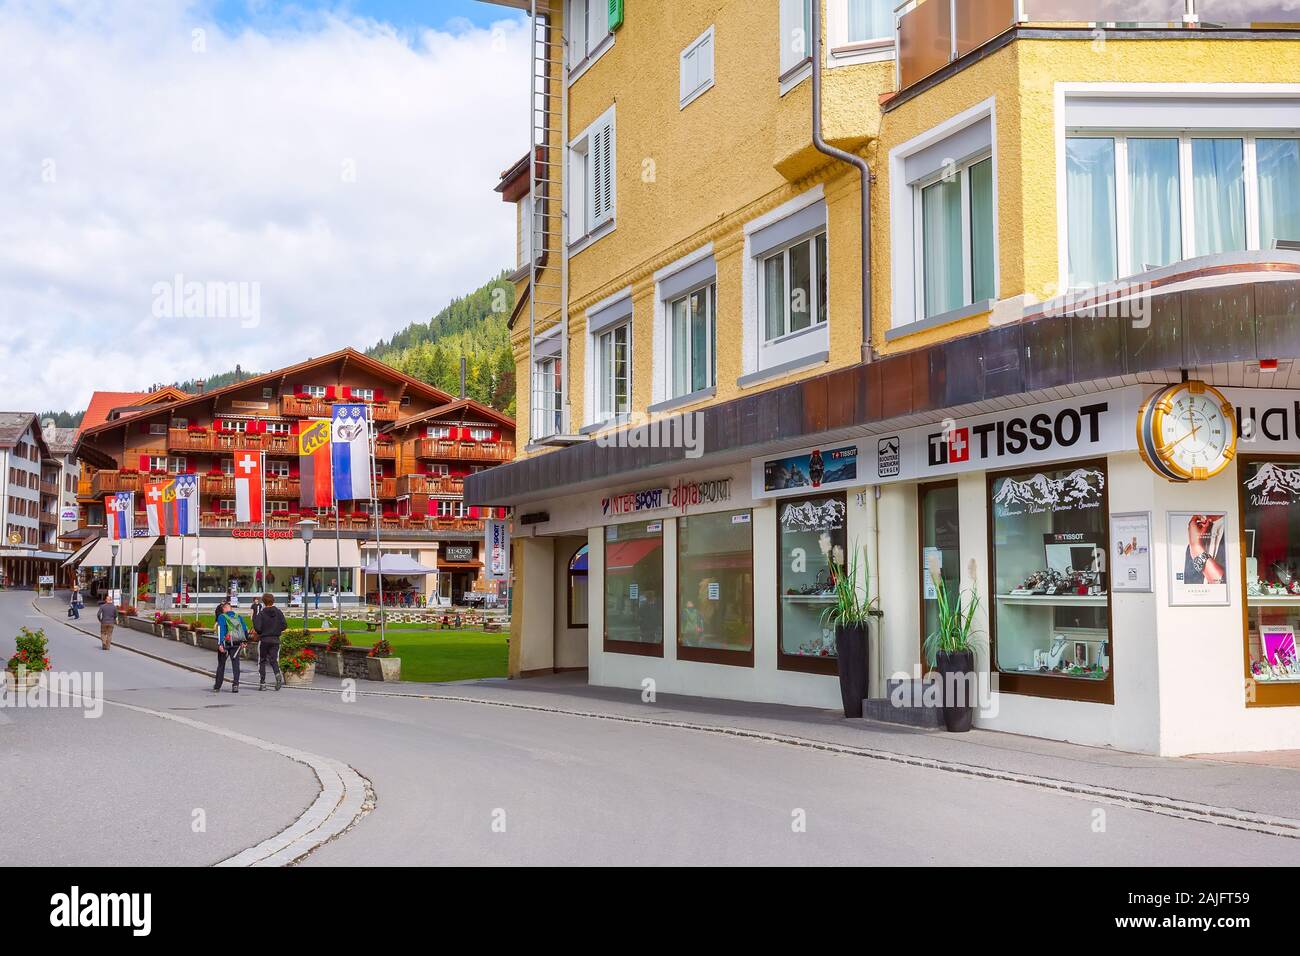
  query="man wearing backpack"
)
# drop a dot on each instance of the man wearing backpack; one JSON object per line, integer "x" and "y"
{"x": 269, "y": 624}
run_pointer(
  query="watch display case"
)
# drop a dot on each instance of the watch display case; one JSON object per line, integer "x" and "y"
{"x": 1051, "y": 607}
{"x": 1271, "y": 521}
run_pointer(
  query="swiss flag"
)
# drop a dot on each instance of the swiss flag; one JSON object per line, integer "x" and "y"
{"x": 248, "y": 486}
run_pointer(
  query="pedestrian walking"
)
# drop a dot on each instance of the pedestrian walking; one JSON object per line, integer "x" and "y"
{"x": 75, "y": 604}
{"x": 315, "y": 586}
{"x": 334, "y": 595}
{"x": 107, "y": 615}
{"x": 231, "y": 635}
{"x": 269, "y": 623}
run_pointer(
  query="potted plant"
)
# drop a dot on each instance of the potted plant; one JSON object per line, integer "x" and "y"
{"x": 381, "y": 664}
{"x": 950, "y": 650}
{"x": 31, "y": 659}
{"x": 332, "y": 659}
{"x": 850, "y": 612}
{"x": 297, "y": 660}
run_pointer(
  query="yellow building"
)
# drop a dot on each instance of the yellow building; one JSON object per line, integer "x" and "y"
{"x": 802, "y": 276}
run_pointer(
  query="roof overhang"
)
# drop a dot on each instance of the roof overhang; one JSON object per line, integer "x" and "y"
{"x": 1203, "y": 315}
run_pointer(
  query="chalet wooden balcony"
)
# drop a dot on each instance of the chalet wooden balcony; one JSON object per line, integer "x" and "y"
{"x": 84, "y": 488}
{"x": 107, "y": 482}
{"x": 217, "y": 485}
{"x": 443, "y": 448}
{"x": 180, "y": 439}
{"x": 319, "y": 408}
{"x": 48, "y": 488}
{"x": 386, "y": 451}
{"x": 430, "y": 485}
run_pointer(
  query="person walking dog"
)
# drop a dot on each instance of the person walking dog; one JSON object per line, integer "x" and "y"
{"x": 107, "y": 615}
{"x": 231, "y": 635}
{"x": 269, "y": 623}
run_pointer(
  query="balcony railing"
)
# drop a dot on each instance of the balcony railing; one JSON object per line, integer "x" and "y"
{"x": 933, "y": 33}
{"x": 110, "y": 482}
{"x": 465, "y": 450}
{"x": 319, "y": 408}
{"x": 385, "y": 450}
{"x": 180, "y": 439}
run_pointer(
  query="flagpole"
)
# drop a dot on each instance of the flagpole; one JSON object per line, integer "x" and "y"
{"x": 261, "y": 474}
{"x": 374, "y": 508}
{"x": 338, "y": 550}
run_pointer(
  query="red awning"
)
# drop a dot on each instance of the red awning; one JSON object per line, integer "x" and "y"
{"x": 622, "y": 555}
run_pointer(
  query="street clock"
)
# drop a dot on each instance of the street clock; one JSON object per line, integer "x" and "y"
{"x": 1187, "y": 431}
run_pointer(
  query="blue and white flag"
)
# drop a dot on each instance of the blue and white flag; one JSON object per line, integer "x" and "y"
{"x": 350, "y": 431}
{"x": 187, "y": 505}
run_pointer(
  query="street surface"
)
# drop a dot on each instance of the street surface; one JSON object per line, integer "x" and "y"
{"x": 466, "y": 783}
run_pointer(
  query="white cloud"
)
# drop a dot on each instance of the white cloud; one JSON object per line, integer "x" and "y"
{"x": 126, "y": 158}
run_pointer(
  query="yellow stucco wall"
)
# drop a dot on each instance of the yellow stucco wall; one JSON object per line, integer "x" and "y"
{"x": 688, "y": 177}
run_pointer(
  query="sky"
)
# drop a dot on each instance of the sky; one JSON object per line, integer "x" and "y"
{"x": 187, "y": 185}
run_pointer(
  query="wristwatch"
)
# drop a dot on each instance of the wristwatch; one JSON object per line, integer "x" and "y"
{"x": 1200, "y": 561}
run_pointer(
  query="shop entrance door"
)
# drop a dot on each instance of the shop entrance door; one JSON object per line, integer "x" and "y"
{"x": 940, "y": 551}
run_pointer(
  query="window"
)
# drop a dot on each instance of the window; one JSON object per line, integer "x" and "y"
{"x": 277, "y": 468}
{"x": 439, "y": 469}
{"x": 527, "y": 237}
{"x": 175, "y": 464}
{"x": 792, "y": 292}
{"x": 810, "y": 532}
{"x": 715, "y": 588}
{"x": 693, "y": 335}
{"x": 227, "y": 466}
{"x": 275, "y": 506}
{"x": 227, "y": 504}
{"x": 956, "y": 238}
{"x": 578, "y": 588}
{"x": 796, "y": 28}
{"x": 547, "y": 398}
{"x": 438, "y": 431}
{"x": 268, "y": 391}
{"x": 480, "y": 434}
{"x": 591, "y": 191}
{"x": 940, "y": 552}
{"x": 180, "y": 423}
{"x": 362, "y": 394}
{"x": 613, "y": 372}
{"x": 869, "y": 20}
{"x": 1050, "y": 614}
{"x": 696, "y": 69}
{"x": 586, "y": 29}
{"x": 634, "y": 587}
{"x": 1139, "y": 202}
{"x": 157, "y": 428}
{"x": 277, "y": 428}
{"x": 1270, "y": 511}
{"x": 235, "y": 425}
{"x": 316, "y": 391}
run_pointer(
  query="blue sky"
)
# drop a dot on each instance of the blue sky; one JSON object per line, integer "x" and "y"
{"x": 405, "y": 15}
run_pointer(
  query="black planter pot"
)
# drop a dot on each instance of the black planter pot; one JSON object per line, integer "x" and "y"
{"x": 957, "y": 671}
{"x": 851, "y": 651}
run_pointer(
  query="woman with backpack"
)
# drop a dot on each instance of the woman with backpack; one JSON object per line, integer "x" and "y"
{"x": 231, "y": 635}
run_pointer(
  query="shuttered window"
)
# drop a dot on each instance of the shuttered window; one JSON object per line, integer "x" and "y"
{"x": 592, "y": 168}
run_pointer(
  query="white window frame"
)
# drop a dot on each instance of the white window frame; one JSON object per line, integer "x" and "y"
{"x": 711, "y": 306}
{"x": 366, "y": 395}
{"x": 180, "y": 423}
{"x": 226, "y": 504}
{"x": 1125, "y": 265}
{"x": 545, "y": 417}
{"x": 695, "y": 69}
{"x": 480, "y": 434}
{"x": 228, "y": 467}
{"x": 795, "y": 20}
{"x": 277, "y": 468}
{"x": 918, "y": 234}
{"x": 277, "y": 428}
{"x": 814, "y": 304}
{"x": 604, "y": 385}
{"x": 276, "y": 504}
{"x": 593, "y": 43}
{"x": 315, "y": 391}
{"x": 439, "y": 432}
{"x": 907, "y": 307}
{"x": 845, "y": 52}
{"x": 587, "y": 221}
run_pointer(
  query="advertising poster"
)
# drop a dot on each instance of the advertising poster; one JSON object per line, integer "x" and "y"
{"x": 1198, "y": 561}
{"x": 1130, "y": 536}
{"x": 811, "y": 470}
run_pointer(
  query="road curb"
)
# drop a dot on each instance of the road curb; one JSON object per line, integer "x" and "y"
{"x": 345, "y": 796}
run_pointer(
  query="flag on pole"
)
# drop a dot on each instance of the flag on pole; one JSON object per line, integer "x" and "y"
{"x": 119, "y": 510}
{"x": 158, "y": 496}
{"x": 248, "y": 486}
{"x": 351, "y": 452}
{"x": 186, "y": 505}
{"x": 314, "y": 464}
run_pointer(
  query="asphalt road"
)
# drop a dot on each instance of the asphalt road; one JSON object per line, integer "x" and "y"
{"x": 466, "y": 783}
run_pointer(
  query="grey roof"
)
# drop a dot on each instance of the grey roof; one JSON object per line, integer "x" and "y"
{"x": 13, "y": 425}
{"x": 61, "y": 440}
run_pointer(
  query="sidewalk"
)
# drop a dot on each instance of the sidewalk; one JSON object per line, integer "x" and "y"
{"x": 1230, "y": 781}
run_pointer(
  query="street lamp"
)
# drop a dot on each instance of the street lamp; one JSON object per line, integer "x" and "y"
{"x": 113, "y": 572}
{"x": 307, "y": 528}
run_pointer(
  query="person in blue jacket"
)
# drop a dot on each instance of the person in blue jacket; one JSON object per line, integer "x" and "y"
{"x": 231, "y": 635}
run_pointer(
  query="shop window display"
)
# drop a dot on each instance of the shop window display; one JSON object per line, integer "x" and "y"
{"x": 811, "y": 531}
{"x": 715, "y": 588}
{"x": 634, "y": 587}
{"x": 1271, "y": 520}
{"x": 1051, "y": 613}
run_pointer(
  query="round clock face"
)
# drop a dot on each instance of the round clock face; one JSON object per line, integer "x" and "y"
{"x": 1192, "y": 431}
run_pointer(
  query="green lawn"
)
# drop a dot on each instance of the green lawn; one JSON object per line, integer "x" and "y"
{"x": 426, "y": 655}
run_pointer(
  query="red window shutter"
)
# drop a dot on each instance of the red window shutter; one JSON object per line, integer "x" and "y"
{"x": 379, "y": 395}
{"x": 347, "y": 392}
{"x": 294, "y": 470}
{"x": 330, "y": 391}
{"x": 144, "y": 462}
{"x": 296, "y": 389}
{"x": 294, "y": 426}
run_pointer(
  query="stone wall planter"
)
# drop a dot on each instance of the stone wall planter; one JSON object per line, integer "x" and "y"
{"x": 306, "y": 677}
{"x": 208, "y": 642}
{"x": 24, "y": 680}
{"x": 171, "y": 632}
{"x": 331, "y": 665}
{"x": 384, "y": 668}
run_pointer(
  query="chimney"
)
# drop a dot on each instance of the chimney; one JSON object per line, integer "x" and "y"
{"x": 462, "y": 376}
{"x": 200, "y": 383}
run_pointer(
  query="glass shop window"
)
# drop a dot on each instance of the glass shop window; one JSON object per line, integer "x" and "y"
{"x": 811, "y": 532}
{"x": 1271, "y": 519}
{"x": 715, "y": 588}
{"x": 634, "y": 588}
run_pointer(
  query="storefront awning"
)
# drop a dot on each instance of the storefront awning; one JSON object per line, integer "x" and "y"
{"x": 132, "y": 550}
{"x": 622, "y": 555}
{"x": 280, "y": 553}
{"x": 391, "y": 565}
{"x": 76, "y": 556}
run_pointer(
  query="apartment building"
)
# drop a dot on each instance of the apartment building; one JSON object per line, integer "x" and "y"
{"x": 426, "y": 443}
{"x": 734, "y": 350}
{"x": 29, "y": 502}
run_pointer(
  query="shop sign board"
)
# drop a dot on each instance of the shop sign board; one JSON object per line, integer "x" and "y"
{"x": 496, "y": 543}
{"x": 680, "y": 496}
{"x": 807, "y": 471}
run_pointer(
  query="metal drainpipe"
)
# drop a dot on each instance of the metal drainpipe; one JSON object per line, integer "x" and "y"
{"x": 868, "y": 353}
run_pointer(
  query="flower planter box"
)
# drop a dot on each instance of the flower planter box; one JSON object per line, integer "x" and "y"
{"x": 384, "y": 668}
{"x": 331, "y": 665}
{"x": 140, "y": 624}
{"x": 306, "y": 677}
{"x": 24, "y": 680}
{"x": 171, "y": 632}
